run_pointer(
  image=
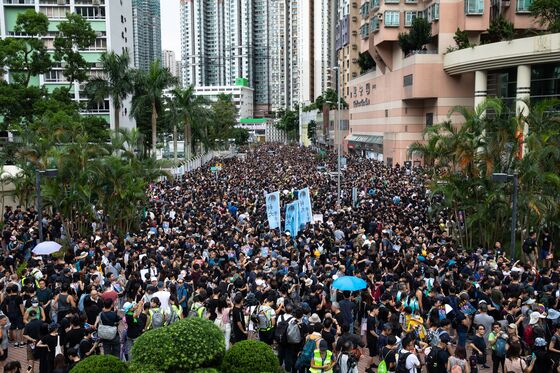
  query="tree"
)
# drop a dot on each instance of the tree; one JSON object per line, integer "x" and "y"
{"x": 461, "y": 38}
{"x": 191, "y": 109}
{"x": 311, "y": 130}
{"x": 366, "y": 62}
{"x": 330, "y": 98}
{"x": 148, "y": 94}
{"x": 289, "y": 122}
{"x": 117, "y": 84}
{"x": 547, "y": 12}
{"x": 241, "y": 136}
{"x": 26, "y": 56}
{"x": 419, "y": 35}
{"x": 500, "y": 29}
{"x": 75, "y": 34}
{"x": 224, "y": 115}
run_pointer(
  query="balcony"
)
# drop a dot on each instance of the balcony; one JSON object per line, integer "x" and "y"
{"x": 19, "y": 2}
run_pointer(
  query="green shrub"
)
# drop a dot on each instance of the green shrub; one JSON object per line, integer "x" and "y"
{"x": 186, "y": 345}
{"x": 250, "y": 356}
{"x": 207, "y": 370}
{"x": 100, "y": 364}
{"x": 138, "y": 368}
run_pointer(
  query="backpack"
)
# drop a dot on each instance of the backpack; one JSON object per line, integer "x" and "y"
{"x": 260, "y": 319}
{"x": 401, "y": 363}
{"x": 432, "y": 360}
{"x": 157, "y": 318}
{"x": 304, "y": 358}
{"x": 528, "y": 335}
{"x": 173, "y": 315}
{"x": 194, "y": 311}
{"x": 382, "y": 367}
{"x": 351, "y": 363}
{"x": 280, "y": 333}
{"x": 294, "y": 332}
{"x": 501, "y": 347}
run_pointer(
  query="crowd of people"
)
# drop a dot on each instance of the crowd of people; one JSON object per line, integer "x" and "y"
{"x": 204, "y": 249}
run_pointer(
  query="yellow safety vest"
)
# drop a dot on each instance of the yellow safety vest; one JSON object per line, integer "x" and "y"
{"x": 318, "y": 361}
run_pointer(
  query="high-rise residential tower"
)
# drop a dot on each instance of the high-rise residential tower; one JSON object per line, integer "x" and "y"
{"x": 146, "y": 16}
{"x": 111, "y": 20}
{"x": 170, "y": 62}
{"x": 256, "y": 40}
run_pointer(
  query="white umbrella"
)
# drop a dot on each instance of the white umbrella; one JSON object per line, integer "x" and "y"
{"x": 46, "y": 248}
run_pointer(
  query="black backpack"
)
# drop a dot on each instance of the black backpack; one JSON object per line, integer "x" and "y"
{"x": 281, "y": 331}
{"x": 432, "y": 360}
{"x": 401, "y": 363}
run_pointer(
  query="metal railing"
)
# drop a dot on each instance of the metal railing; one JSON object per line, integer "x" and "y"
{"x": 199, "y": 161}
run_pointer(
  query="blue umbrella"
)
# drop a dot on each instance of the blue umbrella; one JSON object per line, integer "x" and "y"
{"x": 349, "y": 283}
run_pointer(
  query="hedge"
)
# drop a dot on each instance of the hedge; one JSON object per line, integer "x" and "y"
{"x": 100, "y": 364}
{"x": 250, "y": 356}
{"x": 186, "y": 345}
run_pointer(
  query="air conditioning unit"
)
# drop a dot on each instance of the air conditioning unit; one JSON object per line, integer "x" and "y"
{"x": 96, "y": 2}
{"x": 61, "y": 2}
{"x": 354, "y": 46}
{"x": 354, "y": 4}
{"x": 506, "y": 3}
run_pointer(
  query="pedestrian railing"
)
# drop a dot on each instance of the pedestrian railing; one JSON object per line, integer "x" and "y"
{"x": 198, "y": 161}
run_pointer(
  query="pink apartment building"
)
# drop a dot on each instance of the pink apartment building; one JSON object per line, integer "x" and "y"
{"x": 391, "y": 106}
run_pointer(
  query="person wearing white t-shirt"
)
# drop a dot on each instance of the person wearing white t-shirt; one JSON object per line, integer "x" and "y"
{"x": 163, "y": 296}
{"x": 412, "y": 361}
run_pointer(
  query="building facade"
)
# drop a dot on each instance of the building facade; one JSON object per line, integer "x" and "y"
{"x": 111, "y": 20}
{"x": 347, "y": 43}
{"x": 392, "y": 105}
{"x": 170, "y": 62}
{"x": 242, "y": 96}
{"x": 146, "y": 15}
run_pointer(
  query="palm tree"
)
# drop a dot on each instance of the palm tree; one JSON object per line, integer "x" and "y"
{"x": 148, "y": 93}
{"x": 117, "y": 84}
{"x": 189, "y": 106}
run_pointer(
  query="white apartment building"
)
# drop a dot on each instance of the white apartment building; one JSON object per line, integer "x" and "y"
{"x": 169, "y": 62}
{"x": 111, "y": 20}
{"x": 242, "y": 97}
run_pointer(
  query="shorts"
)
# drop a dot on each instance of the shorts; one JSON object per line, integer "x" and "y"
{"x": 31, "y": 353}
{"x": 4, "y": 355}
{"x": 16, "y": 322}
{"x": 544, "y": 254}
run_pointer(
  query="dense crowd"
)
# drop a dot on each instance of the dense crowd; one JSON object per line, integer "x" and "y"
{"x": 204, "y": 249}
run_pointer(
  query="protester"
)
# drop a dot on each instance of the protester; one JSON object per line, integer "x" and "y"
{"x": 203, "y": 247}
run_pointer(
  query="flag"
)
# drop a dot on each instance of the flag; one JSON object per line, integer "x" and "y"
{"x": 305, "y": 214}
{"x": 273, "y": 209}
{"x": 291, "y": 223}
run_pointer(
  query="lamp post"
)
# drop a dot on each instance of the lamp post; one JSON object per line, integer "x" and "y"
{"x": 337, "y": 134}
{"x": 38, "y": 174}
{"x": 504, "y": 178}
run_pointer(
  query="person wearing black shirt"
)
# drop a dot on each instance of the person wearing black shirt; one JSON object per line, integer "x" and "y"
{"x": 110, "y": 318}
{"x": 88, "y": 346}
{"x": 48, "y": 345}
{"x": 135, "y": 321}
{"x": 32, "y": 333}
{"x": 372, "y": 330}
{"x": 74, "y": 334}
{"x": 388, "y": 353}
{"x": 239, "y": 328}
{"x": 478, "y": 344}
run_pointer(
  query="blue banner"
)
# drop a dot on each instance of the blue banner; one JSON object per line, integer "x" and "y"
{"x": 273, "y": 209}
{"x": 305, "y": 215}
{"x": 291, "y": 223}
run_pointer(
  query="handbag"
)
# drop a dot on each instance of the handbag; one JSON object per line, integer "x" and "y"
{"x": 106, "y": 332}
{"x": 58, "y": 349}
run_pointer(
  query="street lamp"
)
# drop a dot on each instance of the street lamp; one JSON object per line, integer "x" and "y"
{"x": 337, "y": 130}
{"x": 38, "y": 173}
{"x": 502, "y": 179}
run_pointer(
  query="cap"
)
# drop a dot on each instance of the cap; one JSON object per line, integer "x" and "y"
{"x": 534, "y": 317}
{"x": 127, "y": 306}
{"x": 314, "y": 319}
{"x": 553, "y": 314}
{"x": 323, "y": 345}
{"x": 512, "y": 326}
{"x": 54, "y": 326}
{"x": 445, "y": 338}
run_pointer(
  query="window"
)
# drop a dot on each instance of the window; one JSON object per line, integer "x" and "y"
{"x": 475, "y": 7}
{"x": 55, "y": 12}
{"x": 374, "y": 24}
{"x": 523, "y": 6}
{"x": 435, "y": 11}
{"x": 374, "y": 4}
{"x": 407, "y": 80}
{"x": 409, "y": 17}
{"x": 429, "y": 119}
{"x": 364, "y": 9}
{"x": 392, "y": 1}
{"x": 364, "y": 30}
{"x": 392, "y": 18}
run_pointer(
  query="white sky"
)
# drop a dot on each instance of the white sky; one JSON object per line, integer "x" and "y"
{"x": 170, "y": 28}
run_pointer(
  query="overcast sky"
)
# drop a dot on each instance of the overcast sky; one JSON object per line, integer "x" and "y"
{"x": 170, "y": 30}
